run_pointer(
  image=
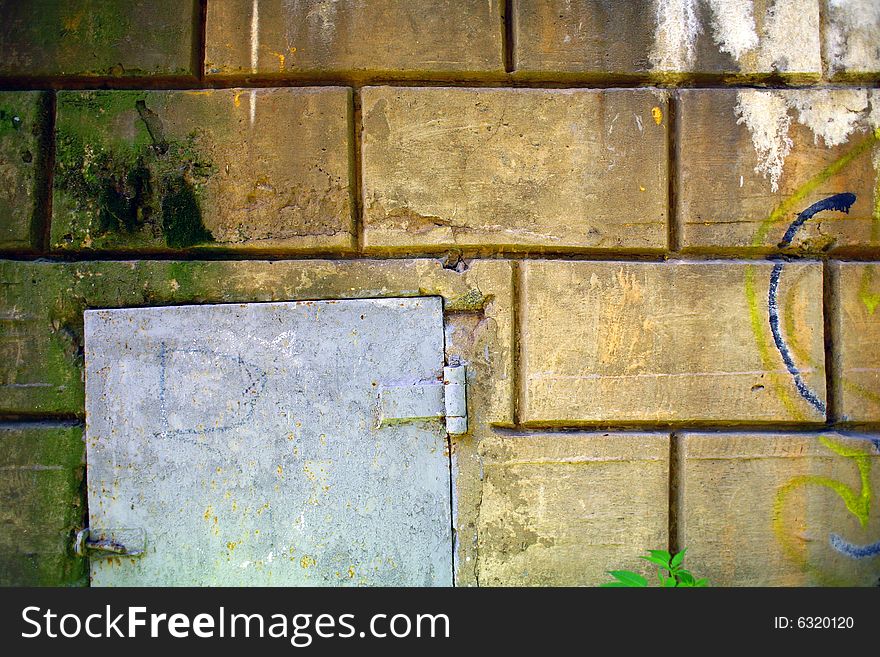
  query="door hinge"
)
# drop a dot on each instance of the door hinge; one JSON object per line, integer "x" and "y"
{"x": 428, "y": 400}
{"x": 97, "y": 543}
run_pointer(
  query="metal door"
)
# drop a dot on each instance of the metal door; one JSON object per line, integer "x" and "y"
{"x": 243, "y": 444}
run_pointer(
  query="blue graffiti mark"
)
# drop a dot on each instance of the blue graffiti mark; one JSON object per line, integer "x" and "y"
{"x": 854, "y": 551}
{"x": 802, "y": 388}
{"x": 864, "y": 436}
{"x": 258, "y": 380}
{"x": 841, "y": 203}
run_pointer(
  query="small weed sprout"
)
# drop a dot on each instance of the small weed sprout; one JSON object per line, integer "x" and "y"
{"x": 670, "y": 572}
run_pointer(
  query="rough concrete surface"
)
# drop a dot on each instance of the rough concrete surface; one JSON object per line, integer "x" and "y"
{"x": 23, "y": 125}
{"x": 780, "y": 509}
{"x": 313, "y": 37}
{"x": 89, "y": 38}
{"x": 751, "y": 161}
{"x": 227, "y": 168}
{"x": 856, "y": 332}
{"x": 514, "y": 168}
{"x": 562, "y": 509}
{"x": 664, "y": 342}
{"x": 41, "y": 474}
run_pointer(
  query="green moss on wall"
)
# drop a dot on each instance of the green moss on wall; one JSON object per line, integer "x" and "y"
{"x": 41, "y": 490}
{"x": 120, "y": 180}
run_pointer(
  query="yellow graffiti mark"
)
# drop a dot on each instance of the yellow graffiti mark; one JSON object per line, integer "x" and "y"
{"x": 857, "y": 503}
{"x": 756, "y": 318}
{"x": 872, "y": 299}
{"x": 657, "y": 113}
{"x": 236, "y": 99}
{"x": 862, "y": 392}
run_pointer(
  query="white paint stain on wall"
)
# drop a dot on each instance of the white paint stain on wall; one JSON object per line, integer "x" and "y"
{"x": 782, "y": 36}
{"x": 323, "y": 19}
{"x": 733, "y": 26}
{"x": 678, "y": 26}
{"x": 765, "y": 114}
{"x": 790, "y": 42}
{"x": 852, "y": 35}
{"x": 832, "y": 115}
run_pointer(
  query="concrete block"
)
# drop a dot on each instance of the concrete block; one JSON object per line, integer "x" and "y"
{"x": 780, "y": 509}
{"x": 111, "y": 38}
{"x": 23, "y": 151}
{"x": 314, "y": 38}
{"x": 229, "y": 169}
{"x": 41, "y": 473}
{"x": 514, "y": 168}
{"x": 856, "y": 334}
{"x": 851, "y": 38}
{"x": 752, "y": 161}
{"x": 671, "y": 342}
{"x": 562, "y": 509}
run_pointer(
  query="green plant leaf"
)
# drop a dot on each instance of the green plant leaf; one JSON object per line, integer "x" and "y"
{"x": 657, "y": 560}
{"x": 661, "y": 554}
{"x": 629, "y": 578}
{"x": 678, "y": 558}
{"x": 670, "y": 572}
{"x": 685, "y": 576}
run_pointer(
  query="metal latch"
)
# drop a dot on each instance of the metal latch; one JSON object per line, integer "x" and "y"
{"x": 428, "y": 400}
{"x": 95, "y": 543}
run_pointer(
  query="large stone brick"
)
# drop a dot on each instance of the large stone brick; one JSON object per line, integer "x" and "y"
{"x": 313, "y": 37}
{"x": 856, "y": 340}
{"x": 41, "y": 472}
{"x": 750, "y": 161}
{"x": 670, "y": 342}
{"x": 562, "y": 509}
{"x": 229, "y": 169}
{"x": 99, "y": 38}
{"x": 595, "y": 36}
{"x": 514, "y": 168}
{"x": 23, "y": 116}
{"x": 666, "y": 38}
{"x": 780, "y": 509}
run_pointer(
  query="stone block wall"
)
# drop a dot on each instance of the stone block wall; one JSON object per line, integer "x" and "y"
{"x": 655, "y": 226}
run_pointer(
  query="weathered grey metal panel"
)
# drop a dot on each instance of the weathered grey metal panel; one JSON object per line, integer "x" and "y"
{"x": 245, "y": 440}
